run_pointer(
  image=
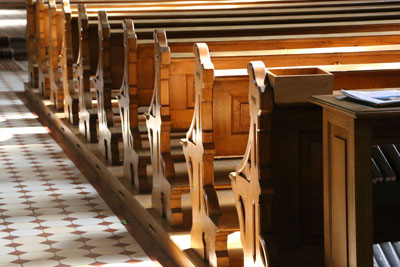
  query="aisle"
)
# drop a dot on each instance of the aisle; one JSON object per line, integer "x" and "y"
{"x": 49, "y": 213}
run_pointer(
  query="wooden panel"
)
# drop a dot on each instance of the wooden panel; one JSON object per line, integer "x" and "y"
{"x": 230, "y": 115}
{"x": 366, "y": 79}
{"x": 117, "y": 60}
{"x": 240, "y": 115}
{"x": 94, "y": 49}
{"x": 145, "y": 72}
{"x": 177, "y": 91}
{"x": 338, "y": 181}
{"x": 310, "y": 158}
{"x": 222, "y": 113}
{"x": 181, "y": 119}
{"x": 190, "y": 94}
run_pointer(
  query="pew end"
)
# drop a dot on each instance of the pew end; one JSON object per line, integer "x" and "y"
{"x": 136, "y": 155}
{"x": 109, "y": 76}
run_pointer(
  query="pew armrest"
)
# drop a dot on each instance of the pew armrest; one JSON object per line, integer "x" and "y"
{"x": 167, "y": 165}
{"x": 211, "y": 202}
{"x": 146, "y": 115}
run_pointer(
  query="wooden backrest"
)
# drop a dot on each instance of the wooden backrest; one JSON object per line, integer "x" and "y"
{"x": 146, "y": 72}
{"x": 252, "y": 21}
{"x": 252, "y": 180}
{"x": 286, "y": 163}
{"x": 221, "y": 108}
{"x": 41, "y": 30}
{"x": 110, "y": 70}
{"x": 31, "y": 42}
{"x": 178, "y": 70}
{"x": 111, "y": 55}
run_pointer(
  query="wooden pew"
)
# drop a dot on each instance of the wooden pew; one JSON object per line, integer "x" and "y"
{"x": 279, "y": 137}
{"x": 59, "y": 92}
{"x": 218, "y": 130}
{"x": 42, "y": 27}
{"x": 43, "y": 16}
{"x": 56, "y": 29}
{"x": 87, "y": 124}
{"x": 130, "y": 101}
{"x": 177, "y": 69}
{"x": 109, "y": 78}
{"x": 298, "y": 120}
{"x": 89, "y": 132}
{"x": 45, "y": 13}
{"x": 274, "y": 150}
{"x": 31, "y": 42}
{"x": 68, "y": 110}
{"x": 141, "y": 94}
{"x": 42, "y": 59}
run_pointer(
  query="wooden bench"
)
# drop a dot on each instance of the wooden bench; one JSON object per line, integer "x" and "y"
{"x": 352, "y": 201}
{"x": 129, "y": 171}
{"x": 31, "y": 29}
{"x": 274, "y": 150}
{"x": 87, "y": 123}
{"x": 138, "y": 32}
{"x": 56, "y": 91}
{"x": 208, "y": 239}
{"x": 213, "y": 145}
{"x": 286, "y": 219}
{"x": 46, "y": 14}
{"x": 174, "y": 90}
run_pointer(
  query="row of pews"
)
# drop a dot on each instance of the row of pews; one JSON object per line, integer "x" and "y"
{"x": 210, "y": 99}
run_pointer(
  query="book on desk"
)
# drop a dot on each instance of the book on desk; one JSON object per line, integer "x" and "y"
{"x": 375, "y": 98}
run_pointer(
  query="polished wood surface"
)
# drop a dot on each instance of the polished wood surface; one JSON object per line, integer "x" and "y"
{"x": 138, "y": 98}
{"x": 349, "y": 131}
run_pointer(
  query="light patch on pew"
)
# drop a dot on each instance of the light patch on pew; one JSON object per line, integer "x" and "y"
{"x": 234, "y": 240}
{"x": 47, "y": 102}
{"x": 181, "y": 240}
{"x": 149, "y": 8}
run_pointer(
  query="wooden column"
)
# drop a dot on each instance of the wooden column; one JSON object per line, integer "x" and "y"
{"x": 349, "y": 130}
{"x": 347, "y": 190}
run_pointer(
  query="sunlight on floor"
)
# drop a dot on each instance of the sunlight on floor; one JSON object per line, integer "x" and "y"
{"x": 12, "y": 12}
{"x": 18, "y": 116}
{"x": 8, "y": 133}
{"x": 139, "y": 264}
{"x": 12, "y": 22}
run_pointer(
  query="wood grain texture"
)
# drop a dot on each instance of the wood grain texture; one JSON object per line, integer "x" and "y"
{"x": 282, "y": 177}
{"x": 136, "y": 155}
{"x": 211, "y": 127}
{"x": 108, "y": 78}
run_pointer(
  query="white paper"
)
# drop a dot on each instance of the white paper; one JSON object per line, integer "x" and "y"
{"x": 376, "y": 98}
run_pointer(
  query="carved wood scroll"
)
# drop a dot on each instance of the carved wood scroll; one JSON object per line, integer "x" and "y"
{"x": 251, "y": 183}
{"x": 108, "y": 75}
{"x": 55, "y": 30}
{"x": 42, "y": 34}
{"x": 70, "y": 97}
{"x": 136, "y": 157}
{"x": 87, "y": 113}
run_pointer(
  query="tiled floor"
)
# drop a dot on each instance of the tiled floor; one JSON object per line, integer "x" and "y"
{"x": 49, "y": 213}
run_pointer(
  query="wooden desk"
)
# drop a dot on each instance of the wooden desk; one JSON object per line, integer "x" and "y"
{"x": 349, "y": 130}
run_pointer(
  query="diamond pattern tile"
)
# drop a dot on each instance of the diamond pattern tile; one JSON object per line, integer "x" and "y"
{"x": 50, "y": 215}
